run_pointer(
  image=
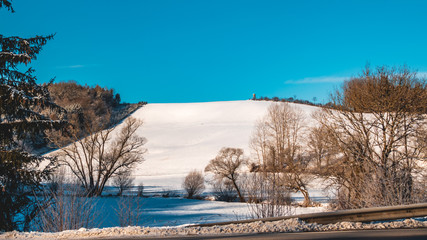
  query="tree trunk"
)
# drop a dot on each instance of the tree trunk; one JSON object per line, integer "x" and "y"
{"x": 307, "y": 201}
{"x": 242, "y": 199}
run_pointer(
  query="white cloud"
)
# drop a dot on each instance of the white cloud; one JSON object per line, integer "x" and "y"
{"x": 89, "y": 65}
{"x": 333, "y": 79}
{"x": 324, "y": 79}
{"x": 72, "y": 66}
{"x": 76, "y": 66}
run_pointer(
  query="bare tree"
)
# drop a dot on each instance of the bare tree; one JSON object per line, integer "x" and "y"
{"x": 102, "y": 155}
{"x": 226, "y": 165}
{"x": 140, "y": 190}
{"x": 129, "y": 211}
{"x": 319, "y": 150}
{"x": 224, "y": 190}
{"x": 373, "y": 126}
{"x": 194, "y": 183}
{"x": 123, "y": 181}
{"x": 267, "y": 195}
{"x": 276, "y": 143}
{"x": 67, "y": 208}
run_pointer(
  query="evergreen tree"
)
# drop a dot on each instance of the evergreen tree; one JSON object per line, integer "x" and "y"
{"x": 21, "y": 103}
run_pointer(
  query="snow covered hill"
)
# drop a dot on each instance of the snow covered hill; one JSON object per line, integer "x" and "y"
{"x": 182, "y": 137}
{"x": 185, "y": 136}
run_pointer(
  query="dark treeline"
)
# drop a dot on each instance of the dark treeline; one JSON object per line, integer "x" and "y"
{"x": 84, "y": 105}
{"x": 291, "y": 100}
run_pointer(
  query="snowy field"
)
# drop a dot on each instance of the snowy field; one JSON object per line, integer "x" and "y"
{"x": 186, "y": 136}
{"x": 175, "y": 211}
{"x": 183, "y": 137}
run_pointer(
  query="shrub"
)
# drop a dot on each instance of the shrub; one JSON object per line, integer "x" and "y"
{"x": 194, "y": 184}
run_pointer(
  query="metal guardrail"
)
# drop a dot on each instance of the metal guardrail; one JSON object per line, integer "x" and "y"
{"x": 353, "y": 215}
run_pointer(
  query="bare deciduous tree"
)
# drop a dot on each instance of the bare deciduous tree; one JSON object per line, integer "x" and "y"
{"x": 226, "y": 165}
{"x": 316, "y": 145}
{"x": 224, "y": 190}
{"x": 68, "y": 208}
{"x": 194, "y": 183}
{"x": 123, "y": 181}
{"x": 276, "y": 143}
{"x": 129, "y": 211}
{"x": 267, "y": 195}
{"x": 319, "y": 150}
{"x": 373, "y": 126}
{"x": 102, "y": 155}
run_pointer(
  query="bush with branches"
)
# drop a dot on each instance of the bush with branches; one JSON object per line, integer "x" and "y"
{"x": 64, "y": 207}
{"x": 194, "y": 184}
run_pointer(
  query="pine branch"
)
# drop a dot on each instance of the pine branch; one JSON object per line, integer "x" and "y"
{"x": 7, "y": 4}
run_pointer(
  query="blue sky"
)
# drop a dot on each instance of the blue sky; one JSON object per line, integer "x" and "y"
{"x": 196, "y": 51}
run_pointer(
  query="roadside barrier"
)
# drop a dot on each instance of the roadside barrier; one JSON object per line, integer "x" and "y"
{"x": 352, "y": 215}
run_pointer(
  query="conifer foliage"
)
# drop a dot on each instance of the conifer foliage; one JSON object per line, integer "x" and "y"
{"x": 21, "y": 103}
{"x": 7, "y": 4}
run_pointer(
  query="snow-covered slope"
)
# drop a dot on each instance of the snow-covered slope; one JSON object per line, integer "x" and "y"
{"x": 185, "y": 136}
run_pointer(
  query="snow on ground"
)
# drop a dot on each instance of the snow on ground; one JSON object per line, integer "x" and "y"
{"x": 289, "y": 225}
{"x": 160, "y": 212}
{"x": 186, "y": 136}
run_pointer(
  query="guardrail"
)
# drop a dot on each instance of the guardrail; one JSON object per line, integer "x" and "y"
{"x": 353, "y": 215}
